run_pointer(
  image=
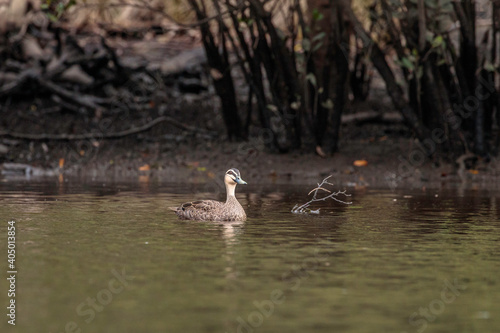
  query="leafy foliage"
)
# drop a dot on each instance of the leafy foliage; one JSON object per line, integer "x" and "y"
{"x": 56, "y": 8}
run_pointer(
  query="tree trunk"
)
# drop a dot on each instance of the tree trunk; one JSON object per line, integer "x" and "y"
{"x": 396, "y": 93}
{"x": 468, "y": 52}
{"x": 320, "y": 65}
{"x": 342, "y": 71}
{"x": 288, "y": 73}
{"x": 422, "y": 29}
{"x": 495, "y": 59}
{"x": 221, "y": 73}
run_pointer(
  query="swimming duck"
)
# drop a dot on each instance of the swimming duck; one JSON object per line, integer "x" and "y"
{"x": 211, "y": 210}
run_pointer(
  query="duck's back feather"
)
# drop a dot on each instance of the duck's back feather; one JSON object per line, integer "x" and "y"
{"x": 210, "y": 210}
{"x": 204, "y": 205}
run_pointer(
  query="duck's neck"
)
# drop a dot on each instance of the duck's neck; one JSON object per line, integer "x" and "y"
{"x": 230, "y": 191}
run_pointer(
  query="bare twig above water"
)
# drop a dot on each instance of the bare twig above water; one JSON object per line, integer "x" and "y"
{"x": 304, "y": 209}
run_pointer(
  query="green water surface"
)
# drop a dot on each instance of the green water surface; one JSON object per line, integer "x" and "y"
{"x": 112, "y": 258}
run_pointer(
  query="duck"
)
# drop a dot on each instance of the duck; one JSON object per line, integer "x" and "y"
{"x": 212, "y": 210}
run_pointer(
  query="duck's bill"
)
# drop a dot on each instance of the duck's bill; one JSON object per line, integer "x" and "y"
{"x": 240, "y": 181}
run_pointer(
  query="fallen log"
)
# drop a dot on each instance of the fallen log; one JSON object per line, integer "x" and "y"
{"x": 89, "y": 101}
{"x": 19, "y": 83}
{"x": 370, "y": 116}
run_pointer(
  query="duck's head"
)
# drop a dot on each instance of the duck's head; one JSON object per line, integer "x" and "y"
{"x": 233, "y": 177}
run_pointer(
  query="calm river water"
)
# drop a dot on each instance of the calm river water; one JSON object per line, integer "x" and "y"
{"x": 112, "y": 258}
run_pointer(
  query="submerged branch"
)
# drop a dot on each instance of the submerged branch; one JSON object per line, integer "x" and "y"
{"x": 302, "y": 209}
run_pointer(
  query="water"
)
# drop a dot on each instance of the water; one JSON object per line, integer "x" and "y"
{"x": 94, "y": 258}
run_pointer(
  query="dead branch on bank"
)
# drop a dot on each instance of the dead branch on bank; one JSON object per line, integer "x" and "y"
{"x": 56, "y": 70}
{"x": 304, "y": 209}
{"x": 64, "y": 70}
{"x": 113, "y": 135}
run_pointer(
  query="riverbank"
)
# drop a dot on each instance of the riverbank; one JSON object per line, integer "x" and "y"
{"x": 374, "y": 162}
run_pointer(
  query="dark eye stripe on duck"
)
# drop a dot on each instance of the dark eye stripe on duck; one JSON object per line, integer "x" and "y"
{"x": 233, "y": 172}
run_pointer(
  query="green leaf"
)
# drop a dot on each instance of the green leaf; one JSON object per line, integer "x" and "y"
{"x": 311, "y": 78}
{"x": 489, "y": 67}
{"x": 306, "y": 45}
{"x": 272, "y": 107}
{"x": 316, "y": 15}
{"x": 295, "y": 105}
{"x": 317, "y": 47}
{"x": 52, "y": 17}
{"x": 405, "y": 62}
{"x": 437, "y": 41}
{"x": 328, "y": 104}
{"x": 319, "y": 36}
{"x": 429, "y": 36}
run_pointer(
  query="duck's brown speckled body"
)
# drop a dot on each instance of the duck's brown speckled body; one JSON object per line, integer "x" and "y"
{"x": 211, "y": 210}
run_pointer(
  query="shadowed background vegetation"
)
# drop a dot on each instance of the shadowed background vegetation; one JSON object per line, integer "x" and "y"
{"x": 440, "y": 68}
{"x": 303, "y": 63}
